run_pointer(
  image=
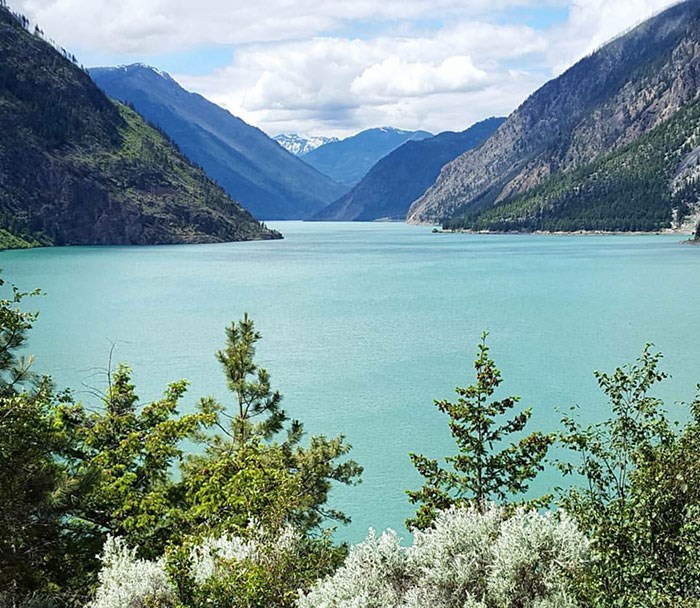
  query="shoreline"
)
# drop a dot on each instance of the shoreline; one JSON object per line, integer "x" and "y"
{"x": 665, "y": 232}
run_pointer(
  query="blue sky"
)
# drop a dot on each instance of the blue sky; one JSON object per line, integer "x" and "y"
{"x": 336, "y": 67}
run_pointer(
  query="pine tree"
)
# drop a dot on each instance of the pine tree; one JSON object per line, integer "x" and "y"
{"x": 256, "y": 468}
{"x": 485, "y": 470}
{"x": 257, "y": 411}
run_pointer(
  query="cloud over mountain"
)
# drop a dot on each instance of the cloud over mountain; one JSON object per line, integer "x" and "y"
{"x": 341, "y": 66}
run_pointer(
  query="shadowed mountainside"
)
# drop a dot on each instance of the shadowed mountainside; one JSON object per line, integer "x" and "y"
{"x": 254, "y": 169}
{"x": 388, "y": 190}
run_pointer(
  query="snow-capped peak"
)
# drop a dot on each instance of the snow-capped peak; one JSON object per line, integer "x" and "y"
{"x": 301, "y": 144}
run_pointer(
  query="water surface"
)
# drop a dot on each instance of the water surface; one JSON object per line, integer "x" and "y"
{"x": 365, "y": 324}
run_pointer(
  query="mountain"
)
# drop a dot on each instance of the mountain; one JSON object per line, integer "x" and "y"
{"x": 300, "y": 144}
{"x": 250, "y": 166}
{"x": 610, "y": 144}
{"x": 347, "y": 161}
{"x": 77, "y": 169}
{"x": 388, "y": 190}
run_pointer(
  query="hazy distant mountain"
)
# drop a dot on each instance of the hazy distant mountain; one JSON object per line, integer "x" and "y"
{"x": 78, "y": 169}
{"x": 250, "y": 166}
{"x": 301, "y": 144}
{"x": 611, "y": 144}
{"x": 347, "y": 161}
{"x": 388, "y": 190}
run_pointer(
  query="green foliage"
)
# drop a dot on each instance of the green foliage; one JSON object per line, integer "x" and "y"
{"x": 665, "y": 493}
{"x": 247, "y": 484}
{"x": 86, "y": 475}
{"x": 244, "y": 474}
{"x": 31, "y": 481}
{"x": 229, "y": 489}
{"x": 640, "y": 499}
{"x": 31, "y": 493}
{"x": 12, "y": 241}
{"x": 123, "y": 457}
{"x": 250, "y": 385}
{"x": 14, "y": 325}
{"x": 484, "y": 470}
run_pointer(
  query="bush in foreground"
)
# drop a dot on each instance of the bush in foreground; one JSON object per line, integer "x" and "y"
{"x": 263, "y": 569}
{"x": 468, "y": 559}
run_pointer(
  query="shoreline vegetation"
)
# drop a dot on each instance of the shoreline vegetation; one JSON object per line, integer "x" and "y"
{"x": 110, "y": 507}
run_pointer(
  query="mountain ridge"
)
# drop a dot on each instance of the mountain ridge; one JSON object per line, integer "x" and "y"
{"x": 271, "y": 182}
{"x": 601, "y": 104}
{"x": 301, "y": 144}
{"x": 396, "y": 180}
{"x": 347, "y": 161}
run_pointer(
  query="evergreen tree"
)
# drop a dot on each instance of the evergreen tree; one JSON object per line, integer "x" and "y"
{"x": 485, "y": 469}
{"x": 257, "y": 412}
{"x": 15, "y": 323}
{"x": 256, "y": 468}
{"x": 122, "y": 457}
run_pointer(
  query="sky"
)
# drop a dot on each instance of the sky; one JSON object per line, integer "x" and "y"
{"x": 336, "y": 67}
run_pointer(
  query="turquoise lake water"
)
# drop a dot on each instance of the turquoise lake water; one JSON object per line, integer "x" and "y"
{"x": 365, "y": 324}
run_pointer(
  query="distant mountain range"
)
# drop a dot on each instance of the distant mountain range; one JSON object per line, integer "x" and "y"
{"x": 389, "y": 188}
{"x": 612, "y": 144}
{"x": 348, "y": 160}
{"x": 267, "y": 179}
{"x": 78, "y": 169}
{"x": 300, "y": 144}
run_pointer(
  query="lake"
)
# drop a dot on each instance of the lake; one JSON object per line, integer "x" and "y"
{"x": 365, "y": 324}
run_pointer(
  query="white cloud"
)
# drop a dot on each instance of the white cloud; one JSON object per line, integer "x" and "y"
{"x": 396, "y": 78}
{"x": 334, "y": 85}
{"x": 152, "y": 26}
{"x": 339, "y": 66}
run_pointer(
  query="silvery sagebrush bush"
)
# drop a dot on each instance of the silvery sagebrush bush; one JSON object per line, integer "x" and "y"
{"x": 451, "y": 558}
{"x": 126, "y": 581}
{"x": 532, "y": 555}
{"x": 467, "y": 560}
{"x": 375, "y": 575}
{"x": 206, "y": 559}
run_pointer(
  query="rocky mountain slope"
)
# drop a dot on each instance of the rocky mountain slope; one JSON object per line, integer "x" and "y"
{"x": 77, "y": 169}
{"x": 648, "y": 185}
{"x": 300, "y": 144}
{"x": 347, "y": 161}
{"x": 550, "y": 159}
{"x": 388, "y": 190}
{"x": 267, "y": 179}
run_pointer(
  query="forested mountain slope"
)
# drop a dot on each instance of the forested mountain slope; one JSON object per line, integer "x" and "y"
{"x": 389, "y": 188}
{"x": 77, "y": 169}
{"x": 565, "y": 156}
